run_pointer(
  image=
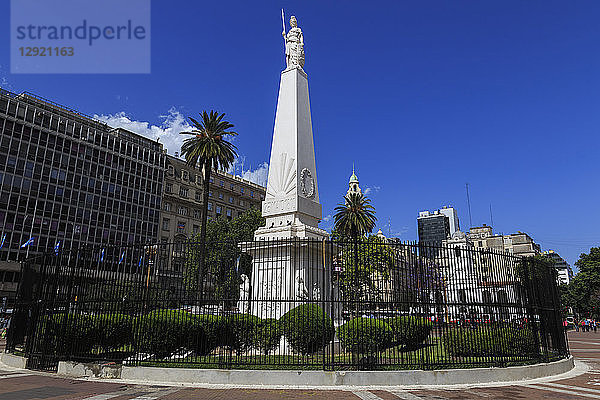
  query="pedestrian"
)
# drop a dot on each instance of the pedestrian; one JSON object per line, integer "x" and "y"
{"x": 576, "y": 326}
{"x": 595, "y": 326}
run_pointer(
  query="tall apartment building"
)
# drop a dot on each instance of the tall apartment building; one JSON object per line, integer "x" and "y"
{"x": 564, "y": 270}
{"x": 516, "y": 243}
{"x": 67, "y": 177}
{"x": 436, "y": 226}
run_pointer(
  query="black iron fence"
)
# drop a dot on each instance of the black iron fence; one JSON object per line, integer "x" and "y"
{"x": 300, "y": 303}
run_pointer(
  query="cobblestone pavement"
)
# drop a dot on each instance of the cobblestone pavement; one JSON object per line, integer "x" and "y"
{"x": 585, "y": 346}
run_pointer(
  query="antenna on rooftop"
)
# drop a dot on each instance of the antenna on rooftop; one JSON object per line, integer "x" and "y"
{"x": 491, "y": 217}
{"x": 469, "y": 206}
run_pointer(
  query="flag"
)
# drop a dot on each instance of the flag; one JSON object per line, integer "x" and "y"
{"x": 3, "y": 239}
{"x": 57, "y": 247}
{"x": 122, "y": 257}
{"x": 102, "y": 256}
{"x": 27, "y": 243}
{"x": 139, "y": 263}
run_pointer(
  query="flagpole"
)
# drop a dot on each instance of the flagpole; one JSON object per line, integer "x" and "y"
{"x": 31, "y": 229}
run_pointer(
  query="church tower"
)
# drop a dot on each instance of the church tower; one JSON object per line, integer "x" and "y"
{"x": 353, "y": 184}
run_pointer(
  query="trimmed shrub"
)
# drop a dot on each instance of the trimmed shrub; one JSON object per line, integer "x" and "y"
{"x": 210, "y": 333}
{"x": 240, "y": 331}
{"x": 491, "y": 341}
{"x": 112, "y": 331}
{"x": 268, "y": 335}
{"x": 162, "y": 332}
{"x": 365, "y": 335}
{"x": 307, "y": 328}
{"x": 410, "y": 331}
{"x": 66, "y": 334}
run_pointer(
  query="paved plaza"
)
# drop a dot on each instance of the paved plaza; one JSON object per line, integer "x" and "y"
{"x": 585, "y": 347}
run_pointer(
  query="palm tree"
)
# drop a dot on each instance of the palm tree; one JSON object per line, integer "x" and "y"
{"x": 355, "y": 217}
{"x": 207, "y": 149}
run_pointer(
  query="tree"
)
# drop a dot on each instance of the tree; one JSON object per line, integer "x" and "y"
{"x": 585, "y": 287}
{"x": 208, "y": 149}
{"x": 224, "y": 261}
{"x": 355, "y": 217}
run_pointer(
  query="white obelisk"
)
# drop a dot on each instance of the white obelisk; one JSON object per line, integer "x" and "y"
{"x": 287, "y": 272}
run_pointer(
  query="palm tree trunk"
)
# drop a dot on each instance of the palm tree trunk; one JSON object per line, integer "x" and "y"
{"x": 206, "y": 185}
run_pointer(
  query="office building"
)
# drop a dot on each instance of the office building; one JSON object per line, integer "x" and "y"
{"x": 564, "y": 270}
{"x": 433, "y": 227}
{"x": 519, "y": 243}
{"x": 68, "y": 178}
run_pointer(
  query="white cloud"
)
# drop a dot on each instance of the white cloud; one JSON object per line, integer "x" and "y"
{"x": 259, "y": 175}
{"x": 167, "y": 132}
{"x": 4, "y": 83}
{"x": 326, "y": 218}
{"x": 371, "y": 189}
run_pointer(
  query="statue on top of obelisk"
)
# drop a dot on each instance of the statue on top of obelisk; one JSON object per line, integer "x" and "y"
{"x": 294, "y": 44}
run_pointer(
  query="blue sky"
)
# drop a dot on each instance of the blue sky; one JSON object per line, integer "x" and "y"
{"x": 422, "y": 97}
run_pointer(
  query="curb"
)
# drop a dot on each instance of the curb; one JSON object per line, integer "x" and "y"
{"x": 315, "y": 379}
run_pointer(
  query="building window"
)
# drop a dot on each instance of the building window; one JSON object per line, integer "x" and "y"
{"x": 210, "y": 206}
{"x": 182, "y": 211}
{"x": 252, "y": 193}
{"x": 228, "y": 212}
{"x": 196, "y": 229}
{"x": 167, "y": 206}
{"x": 241, "y": 202}
{"x": 185, "y": 175}
{"x": 180, "y": 227}
{"x": 183, "y": 192}
{"x": 212, "y": 180}
{"x": 168, "y": 188}
{"x": 171, "y": 170}
{"x": 198, "y": 179}
{"x": 242, "y": 190}
{"x": 221, "y": 196}
{"x": 222, "y": 184}
{"x": 210, "y": 193}
{"x": 230, "y": 200}
{"x": 197, "y": 213}
{"x": 198, "y": 195}
{"x": 232, "y": 187}
{"x": 166, "y": 223}
{"x": 219, "y": 210}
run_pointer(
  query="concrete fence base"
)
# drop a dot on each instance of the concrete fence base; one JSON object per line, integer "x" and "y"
{"x": 13, "y": 361}
{"x": 345, "y": 378}
{"x": 268, "y": 378}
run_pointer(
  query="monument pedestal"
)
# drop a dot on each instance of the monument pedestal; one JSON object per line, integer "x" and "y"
{"x": 287, "y": 273}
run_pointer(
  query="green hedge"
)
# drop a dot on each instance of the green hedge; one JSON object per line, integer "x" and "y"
{"x": 491, "y": 340}
{"x": 240, "y": 331}
{"x": 162, "y": 332}
{"x": 112, "y": 331}
{"x": 209, "y": 335}
{"x": 268, "y": 335}
{"x": 410, "y": 331}
{"x": 362, "y": 335}
{"x": 307, "y": 328}
{"x": 65, "y": 335}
